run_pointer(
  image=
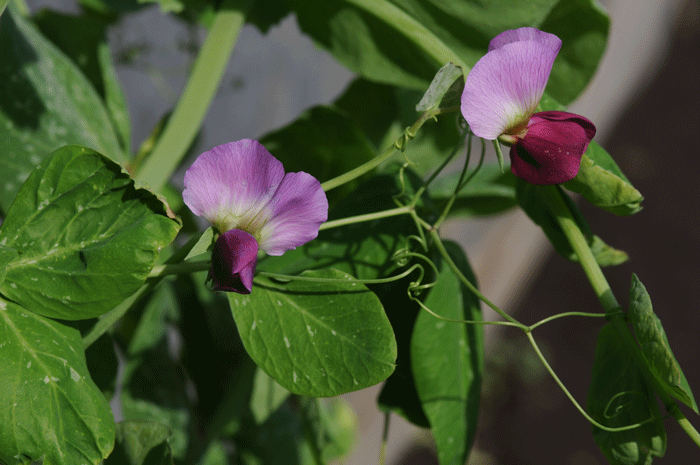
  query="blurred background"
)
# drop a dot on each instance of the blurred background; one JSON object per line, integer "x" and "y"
{"x": 644, "y": 102}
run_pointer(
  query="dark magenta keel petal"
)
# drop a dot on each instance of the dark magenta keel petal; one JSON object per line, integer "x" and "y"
{"x": 233, "y": 261}
{"x": 550, "y": 152}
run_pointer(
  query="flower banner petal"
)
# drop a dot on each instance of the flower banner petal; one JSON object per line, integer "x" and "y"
{"x": 230, "y": 184}
{"x": 503, "y": 89}
{"x": 296, "y": 212}
{"x": 526, "y": 34}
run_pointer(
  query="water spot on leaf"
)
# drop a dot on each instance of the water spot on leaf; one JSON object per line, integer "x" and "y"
{"x": 29, "y": 364}
{"x": 74, "y": 375}
{"x": 333, "y": 332}
{"x": 46, "y": 380}
{"x": 287, "y": 343}
{"x": 254, "y": 324}
{"x": 294, "y": 376}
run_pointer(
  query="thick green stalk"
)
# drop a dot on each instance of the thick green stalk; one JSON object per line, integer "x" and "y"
{"x": 189, "y": 113}
{"x": 411, "y": 29}
{"x": 607, "y": 299}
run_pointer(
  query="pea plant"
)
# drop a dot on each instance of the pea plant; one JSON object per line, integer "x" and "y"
{"x": 322, "y": 270}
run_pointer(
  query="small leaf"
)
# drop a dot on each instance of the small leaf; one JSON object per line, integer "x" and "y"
{"x": 488, "y": 192}
{"x": 603, "y": 186}
{"x": 384, "y": 124}
{"x": 533, "y": 201}
{"x": 447, "y": 361}
{"x": 316, "y": 339}
{"x": 445, "y": 91}
{"x": 599, "y": 179}
{"x": 619, "y": 396}
{"x": 655, "y": 347}
{"x": 49, "y": 406}
{"x": 330, "y": 142}
{"x": 141, "y": 443}
{"x": 375, "y": 43}
{"x": 86, "y": 238}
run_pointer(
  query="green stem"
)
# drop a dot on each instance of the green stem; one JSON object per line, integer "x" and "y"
{"x": 441, "y": 248}
{"x": 400, "y": 143}
{"x": 189, "y": 113}
{"x": 412, "y": 29}
{"x": 565, "y": 314}
{"x": 367, "y": 217}
{"x": 570, "y": 396}
{"x": 607, "y": 299}
{"x": 179, "y": 268}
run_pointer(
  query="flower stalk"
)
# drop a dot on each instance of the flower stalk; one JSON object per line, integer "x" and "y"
{"x": 198, "y": 94}
{"x": 607, "y": 299}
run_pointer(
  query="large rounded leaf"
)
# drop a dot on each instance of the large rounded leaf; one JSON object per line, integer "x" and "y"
{"x": 49, "y": 406}
{"x": 316, "y": 339}
{"x": 86, "y": 237}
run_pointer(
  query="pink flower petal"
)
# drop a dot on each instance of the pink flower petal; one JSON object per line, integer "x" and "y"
{"x": 550, "y": 152}
{"x": 504, "y": 87}
{"x": 233, "y": 261}
{"x": 297, "y": 210}
{"x": 526, "y": 33}
{"x": 231, "y": 184}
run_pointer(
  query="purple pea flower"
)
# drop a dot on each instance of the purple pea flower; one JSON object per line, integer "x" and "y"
{"x": 243, "y": 191}
{"x": 501, "y": 94}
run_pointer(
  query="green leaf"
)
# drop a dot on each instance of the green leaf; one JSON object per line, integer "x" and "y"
{"x": 582, "y": 26}
{"x": 602, "y": 183}
{"x": 338, "y": 428}
{"x": 154, "y": 391}
{"x": 3, "y": 5}
{"x": 316, "y": 339}
{"x": 7, "y": 254}
{"x": 619, "y": 396}
{"x": 45, "y": 102}
{"x": 445, "y": 91}
{"x": 534, "y": 202}
{"x": 489, "y": 191}
{"x": 160, "y": 310}
{"x": 599, "y": 179}
{"x": 267, "y": 396}
{"x": 83, "y": 39}
{"x": 141, "y": 443}
{"x": 380, "y": 46}
{"x": 655, "y": 347}
{"x": 448, "y": 361}
{"x": 167, "y": 6}
{"x": 86, "y": 237}
{"x": 384, "y": 124}
{"x": 49, "y": 406}
{"x": 330, "y": 142}
{"x": 399, "y": 394}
